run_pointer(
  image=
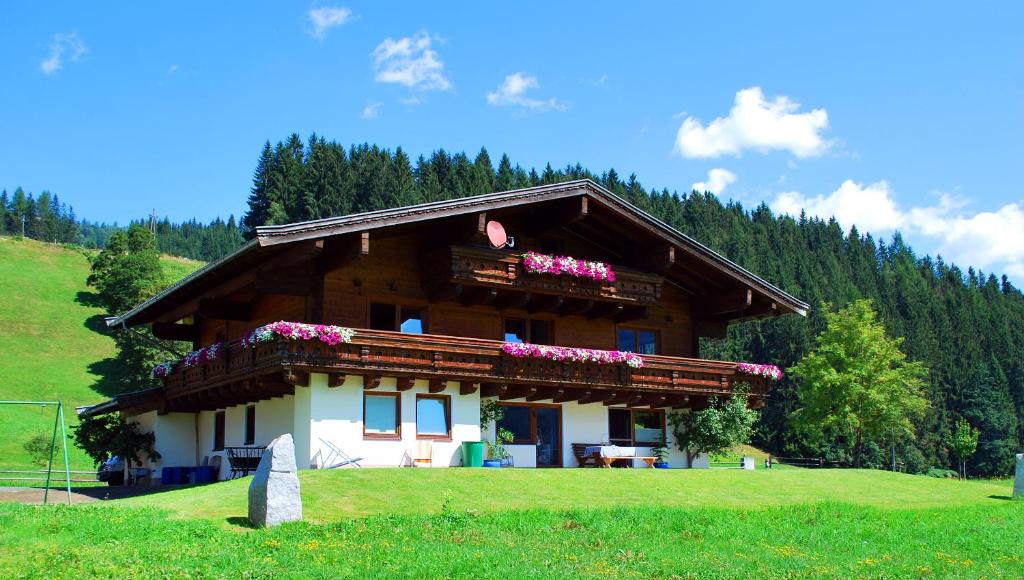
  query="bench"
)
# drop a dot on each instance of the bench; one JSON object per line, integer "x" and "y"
{"x": 578, "y": 449}
{"x": 243, "y": 460}
{"x": 609, "y": 461}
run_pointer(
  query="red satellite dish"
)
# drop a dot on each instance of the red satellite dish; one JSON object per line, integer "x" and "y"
{"x": 496, "y": 234}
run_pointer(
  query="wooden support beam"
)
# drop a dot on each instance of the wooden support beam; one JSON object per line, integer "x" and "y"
{"x": 544, "y": 394}
{"x": 371, "y": 381}
{"x": 575, "y": 307}
{"x": 724, "y": 303}
{"x": 604, "y": 310}
{"x": 631, "y": 313}
{"x": 518, "y": 393}
{"x": 341, "y": 250}
{"x": 682, "y": 402}
{"x": 445, "y": 291}
{"x": 660, "y": 258}
{"x": 404, "y": 383}
{"x": 653, "y": 401}
{"x": 596, "y": 397}
{"x": 295, "y": 378}
{"x": 542, "y": 303}
{"x": 172, "y": 331}
{"x": 437, "y": 385}
{"x": 491, "y": 390}
{"x": 711, "y": 329}
{"x": 478, "y": 296}
{"x": 468, "y": 387}
{"x": 298, "y": 253}
{"x": 335, "y": 380}
{"x": 513, "y": 300}
{"x": 623, "y": 399}
{"x": 568, "y": 211}
{"x": 567, "y": 395}
{"x": 222, "y": 309}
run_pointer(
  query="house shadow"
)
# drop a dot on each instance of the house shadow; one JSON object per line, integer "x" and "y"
{"x": 1001, "y": 497}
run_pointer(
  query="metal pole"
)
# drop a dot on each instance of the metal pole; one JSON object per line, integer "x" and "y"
{"x": 64, "y": 437}
{"x": 49, "y": 467}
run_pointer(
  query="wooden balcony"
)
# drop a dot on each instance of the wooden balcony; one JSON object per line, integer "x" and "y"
{"x": 481, "y": 275}
{"x": 277, "y": 367}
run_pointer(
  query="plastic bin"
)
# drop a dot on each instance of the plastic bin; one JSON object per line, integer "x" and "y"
{"x": 473, "y": 454}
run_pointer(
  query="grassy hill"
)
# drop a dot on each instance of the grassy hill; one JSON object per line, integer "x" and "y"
{"x": 51, "y": 339}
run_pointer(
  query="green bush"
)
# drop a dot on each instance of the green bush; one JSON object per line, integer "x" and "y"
{"x": 942, "y": 473}
{"x": 38, "y": 448}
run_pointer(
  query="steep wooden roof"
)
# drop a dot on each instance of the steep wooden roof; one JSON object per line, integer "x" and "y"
{"x": 280, "y": 244}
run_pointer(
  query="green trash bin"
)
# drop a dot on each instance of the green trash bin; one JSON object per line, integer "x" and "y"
{"x": 473, "y": 454}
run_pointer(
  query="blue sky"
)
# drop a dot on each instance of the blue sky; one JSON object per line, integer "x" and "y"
{"x": 903, "y": 117}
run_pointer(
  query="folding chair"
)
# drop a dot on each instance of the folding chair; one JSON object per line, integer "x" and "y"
{"x": 335, "y": 454}
{"x": 424, "y": 453}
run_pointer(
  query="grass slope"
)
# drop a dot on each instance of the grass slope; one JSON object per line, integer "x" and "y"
{"x": 543, "y": 524}
{"x": 330, "y": 496}
{"x": 51, "y": 340}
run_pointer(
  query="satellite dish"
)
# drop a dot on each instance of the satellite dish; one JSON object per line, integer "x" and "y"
{"x": 496, "y": 234}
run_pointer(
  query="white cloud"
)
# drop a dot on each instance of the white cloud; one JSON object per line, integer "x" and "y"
{"x": 172, "y": 69}
{"x": 986, "y": 240}
{"x": 62, "y": 45}
{"x": 410, "y": 61}
{"x": 759, "y": 124}
{"x": 327, "y": 17}
{"x": 871, "y": 207}
{"x": 512, "y": 91}
{"x": 371, "y": 111}
{"x": 718, "y": 180}
{"x": 411, "y": 100}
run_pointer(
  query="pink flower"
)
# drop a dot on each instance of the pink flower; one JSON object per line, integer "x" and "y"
{"x": 561, "y": 353}
{"x": 767, "y": 371}
{"x": 536, "y": 263}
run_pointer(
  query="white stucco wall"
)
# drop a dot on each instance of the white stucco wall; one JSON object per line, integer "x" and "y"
{"x": 336, "y": 415}
{"x": 175, "y": 438}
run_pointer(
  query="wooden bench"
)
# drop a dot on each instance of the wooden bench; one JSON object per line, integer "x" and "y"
{"x": 578, "y": 450}
{"x": 608, "y": 461}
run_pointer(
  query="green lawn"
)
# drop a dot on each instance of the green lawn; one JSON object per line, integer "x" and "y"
{"x": 342, "y": 494}
{"x": 50, "y": 334}
{"x": 541, "y": 524}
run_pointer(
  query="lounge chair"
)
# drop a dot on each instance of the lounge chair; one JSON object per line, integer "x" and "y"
{"x": 335, "y": 457}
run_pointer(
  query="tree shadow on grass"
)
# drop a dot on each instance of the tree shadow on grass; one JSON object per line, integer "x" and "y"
{"x": 88, "y": 298}
{"x": 1001, "y": 497}
{"x": 109, "y": 372}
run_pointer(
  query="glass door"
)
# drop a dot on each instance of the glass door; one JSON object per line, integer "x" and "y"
{"x": 549, "y": 436}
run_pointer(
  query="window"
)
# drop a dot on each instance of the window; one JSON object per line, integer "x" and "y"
{"x": 637, "y": 340}
{"x": 532, "y": 331}
{"x": 518, "y": 420}
{"x": 250, "y": 425}
{"x": 433, "y": 418}
{"x": 382, "y": 415}
{"x": 218, "y": 431}
{"x": 414, "y": 320}
{"x": 382, "y": 316}
{"x": 636, "y": 427}
{"x": 408, "y": 319}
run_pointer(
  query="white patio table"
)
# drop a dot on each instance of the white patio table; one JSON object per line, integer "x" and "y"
{"x": 606, "y": 455}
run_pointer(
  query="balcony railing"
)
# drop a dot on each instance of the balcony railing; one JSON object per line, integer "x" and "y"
{"x": 662, "y": 380}
{"x": 502, "y": 270}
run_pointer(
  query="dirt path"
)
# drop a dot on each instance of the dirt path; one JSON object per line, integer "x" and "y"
{"x": 79, "y": 495}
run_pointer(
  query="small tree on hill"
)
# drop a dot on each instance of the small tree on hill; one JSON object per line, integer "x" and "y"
{"x": 724, "y": 424}
{"x": 964, "y": 442}
{"x": 856, "y": 385}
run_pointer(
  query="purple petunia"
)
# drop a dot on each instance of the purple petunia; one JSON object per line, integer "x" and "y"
{"x": 561, "y": 353}
{"x": 536, "y": 263}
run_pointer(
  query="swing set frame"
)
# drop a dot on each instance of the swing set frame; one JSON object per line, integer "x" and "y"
{"x": 58, "y": 425}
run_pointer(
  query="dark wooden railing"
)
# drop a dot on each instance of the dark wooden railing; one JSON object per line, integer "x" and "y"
{"x": 502, "y": 270}
{"x": 662, "y": 381}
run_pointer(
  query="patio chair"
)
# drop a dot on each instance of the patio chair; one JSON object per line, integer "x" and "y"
{"x": 243, "y": 460}
{"x": 424, "y": 453}
{"x": 335, "y": 457}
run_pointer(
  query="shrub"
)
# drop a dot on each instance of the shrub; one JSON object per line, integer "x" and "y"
{"x": 38, "y": 448}
{"x": 942, "y": 473}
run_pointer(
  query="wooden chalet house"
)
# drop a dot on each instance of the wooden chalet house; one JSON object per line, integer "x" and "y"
{"x": 428, "y": 318}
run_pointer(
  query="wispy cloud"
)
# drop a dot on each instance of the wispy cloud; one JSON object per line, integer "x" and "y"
{"x": 325, "y": 18}
{"x": 759, "y": 124}
{"x": 172, "y": 69}
{"x": 986, "y": 239}
{"x": 718, "y": 180}
{"x": 371, "y": 111}
{"x": 512, "y": 91}
{"x": 410, "y": 61}
{"x": 63, "y": 46}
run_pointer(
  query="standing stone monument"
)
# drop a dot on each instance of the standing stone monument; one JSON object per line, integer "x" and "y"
{"x": 274, "y": 491}
{"x": 1018, "y": 482}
